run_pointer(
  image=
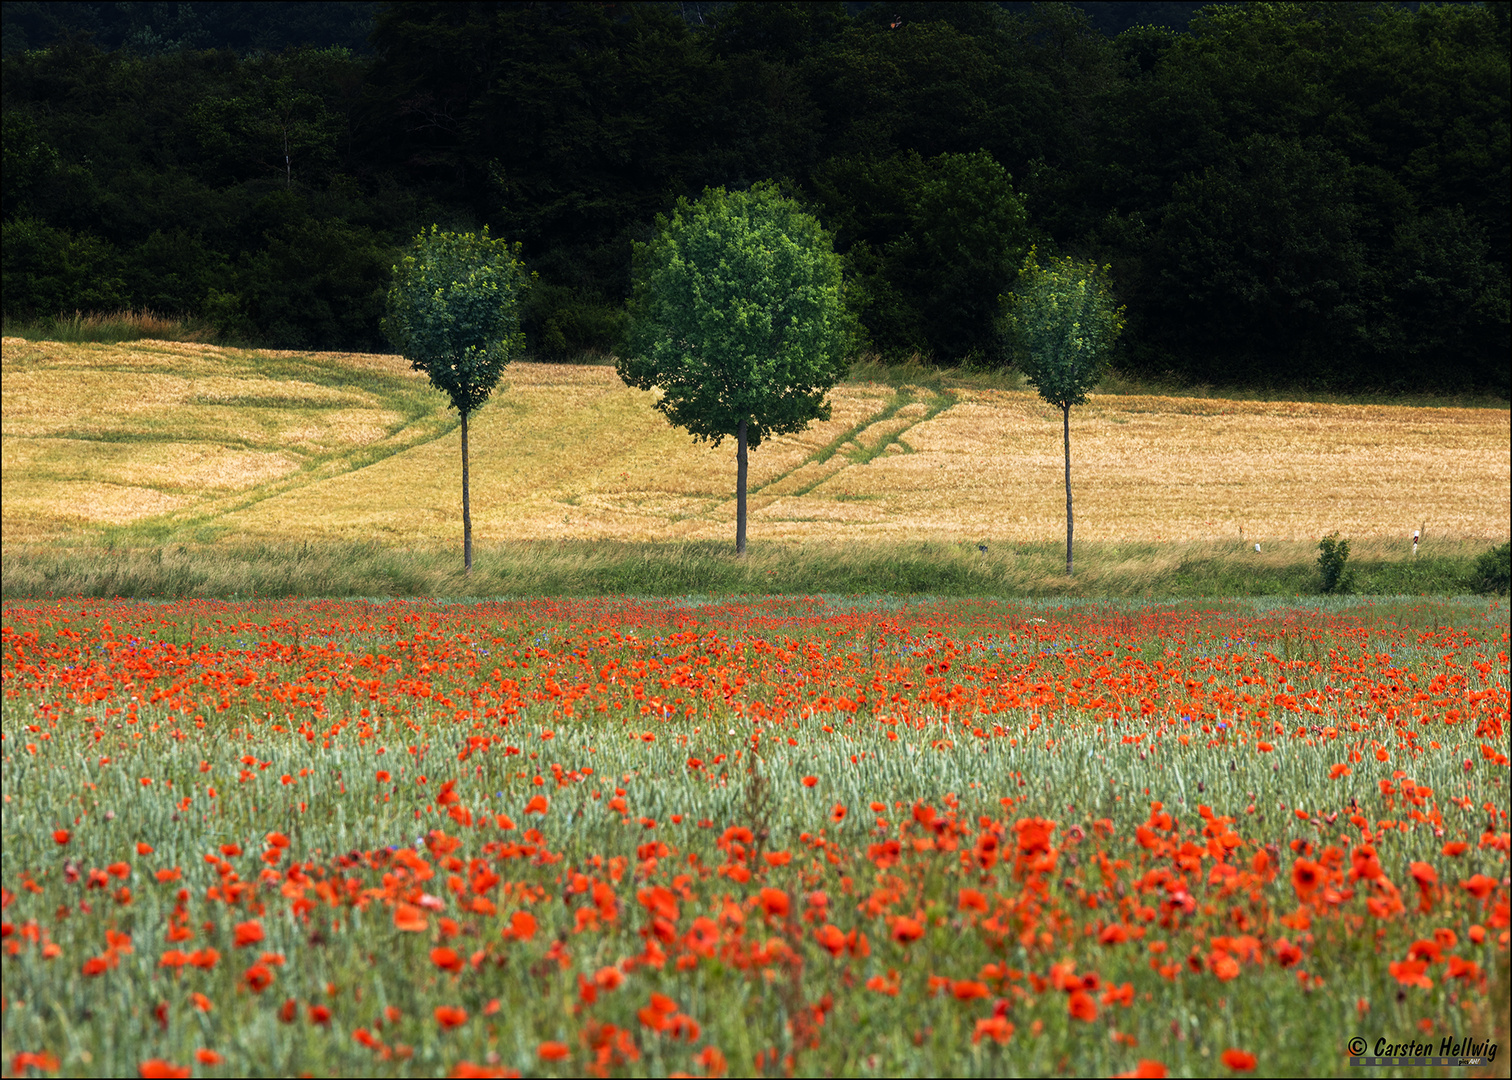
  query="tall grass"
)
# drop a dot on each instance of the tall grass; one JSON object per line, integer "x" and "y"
{"x": 110, "y": 327}
{"x": 241, "y": 570}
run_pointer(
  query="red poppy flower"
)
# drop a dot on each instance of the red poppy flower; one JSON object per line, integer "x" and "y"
{"x": 1411, "y": 973}
{"x": 997, "y": 1028}
{"x": 1081, "y": 1006}
{"x": 1034, "y": 835}
{"x": 27, "y": 1059}
{"x": 1238, "y": 1060}
{"x": 450, "y": 1016}
{"x": 248, "y": 933}
{"x": 969, "y": 990}
{"x": 552, "y": 1051}
{"x": 775, "y": 902}
{"x": 154, "y": 1068}
{"x": 408, "y": 917}
{"x": 1287, "y": 954}
{"x": 810, "y": 781}
{"x": 1146, "y": 1070}
{"x": 1480, "y": 886}
{"x": 830, "y": 939}
{"x": 1306, "y": 877}
{"x": 971, "y": 900}
{"x": 446, "y": 958}
{"x": 522, "y": 926}
{"x": 906, "y": 930}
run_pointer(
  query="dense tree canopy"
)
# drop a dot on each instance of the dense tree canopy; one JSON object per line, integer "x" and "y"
{"x": 739, "y": 319}
{"x": 1286, "y": 192}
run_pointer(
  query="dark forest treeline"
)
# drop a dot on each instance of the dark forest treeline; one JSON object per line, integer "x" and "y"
{"x": 1288, "y": 194}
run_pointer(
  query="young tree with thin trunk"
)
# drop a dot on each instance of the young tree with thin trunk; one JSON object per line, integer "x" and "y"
{"x": 454, "y": 313}
{"x": 739, "y": 317}
{"x": 1062, "y": 324}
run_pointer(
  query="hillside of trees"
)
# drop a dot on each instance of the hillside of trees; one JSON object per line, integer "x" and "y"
{"x": 1288, "y": 194}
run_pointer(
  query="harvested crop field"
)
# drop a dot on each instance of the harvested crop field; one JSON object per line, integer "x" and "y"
{"x": 181, "y": 437}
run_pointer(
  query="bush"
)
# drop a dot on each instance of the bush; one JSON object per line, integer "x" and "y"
{"x": 1493, "y": 572}
{"x": 47, "y": 270}
{"x": 564, "y": 324}
{"x": 1333, "y": 554}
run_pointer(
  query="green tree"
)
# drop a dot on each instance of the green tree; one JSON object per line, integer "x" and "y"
{"x": 931, "y": 245}
{"x": 739, "y": 316}
{"x": 1062, "y": 323}
{"x": 454, "y": 313}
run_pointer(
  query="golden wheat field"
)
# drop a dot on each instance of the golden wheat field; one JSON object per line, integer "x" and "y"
{"x": 209, "y": 441}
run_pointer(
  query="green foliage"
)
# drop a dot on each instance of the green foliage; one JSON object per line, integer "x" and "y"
{"x": 47, "y": 270}
{"x": 562, "y": 324}
{"x": 318, "y": 284}
{"x": 151, "y": 29}
{"x": 1333, "y": 554}
{"x": 931, "y": 245}
{"x": 738, "y": 315}
{"x": 1290, "y": 195}
{"x": 1061, "y": 324}
{"x": 270, "y": 129}
{"x": 30, "y": 165}
{"x": 1493, "y": 571}
{"x": 1288, "y": 191}
{"x": 454, "y": 312}
{"x": 176, "y": 271}
{"x": 1270, "y": 238}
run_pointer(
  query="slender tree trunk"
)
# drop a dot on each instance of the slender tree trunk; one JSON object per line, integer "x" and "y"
{"x": 466, "y": 505}
{"x": 1066, "y": 430}
{"x": 740, "y": 489}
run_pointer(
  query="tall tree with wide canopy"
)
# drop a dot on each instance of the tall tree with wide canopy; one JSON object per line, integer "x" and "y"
{"x": 739, "y": 318}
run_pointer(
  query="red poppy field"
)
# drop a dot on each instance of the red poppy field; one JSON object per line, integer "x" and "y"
{"x": 776, "y": 837}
